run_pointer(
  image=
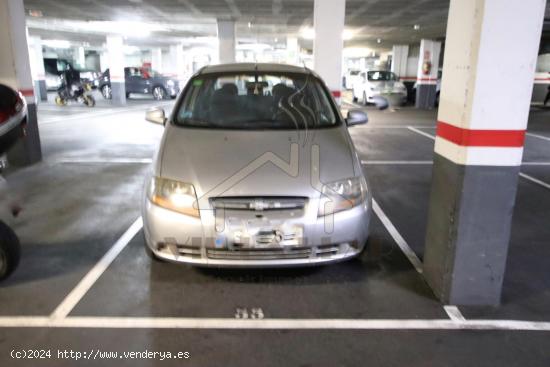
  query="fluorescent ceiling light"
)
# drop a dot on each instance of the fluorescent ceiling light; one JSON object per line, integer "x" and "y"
{"x": 347, "y": 34}
{"x": 308, "y": 33}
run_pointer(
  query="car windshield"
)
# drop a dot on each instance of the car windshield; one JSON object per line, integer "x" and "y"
{"x": 256, "y": 101}
{"x": 376, "y": 76}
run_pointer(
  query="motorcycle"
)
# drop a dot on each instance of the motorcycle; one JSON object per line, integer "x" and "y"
{"x": 78, "y": 92}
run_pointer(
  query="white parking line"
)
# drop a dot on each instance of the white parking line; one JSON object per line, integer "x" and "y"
{"x": 537, "y": 181}
{"x": 454, "y": 313}
{"x": 538, "y": 136}
{"x": 403, "y": 245}
{"x": 99, "y": 113}
{"x": 431, "y": 162}
{"x": 527, "y": 177}
{"x": 398, "y": 162}
{"x": 421, "y": 132}
{"x": 269, "y": 324}
{"x": 101, "y": 160}
{"x": 66, "y": 306}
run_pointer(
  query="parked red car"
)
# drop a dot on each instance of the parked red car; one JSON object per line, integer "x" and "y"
{"x": 13, "y": 114}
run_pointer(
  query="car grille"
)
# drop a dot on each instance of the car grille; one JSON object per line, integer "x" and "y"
{"x": 271, "y": 253}
{"x": 258, "y": 203}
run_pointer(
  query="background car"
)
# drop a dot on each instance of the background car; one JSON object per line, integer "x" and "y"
{"x": 13, "y": 111}
{"x": 351, "y": 77}
{"x": 376, "y": 85}
{"x": 141, "y": 81}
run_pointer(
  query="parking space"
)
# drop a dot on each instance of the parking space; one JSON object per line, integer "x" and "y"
{"x": 97, "y": 199}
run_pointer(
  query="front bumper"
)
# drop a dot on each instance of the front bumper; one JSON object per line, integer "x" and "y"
{"x": 392, "y": 98}
{"x": 173, "y": 91}
{"x": 179, "y": 238}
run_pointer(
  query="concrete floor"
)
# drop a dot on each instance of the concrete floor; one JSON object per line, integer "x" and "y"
{"x": 85, "y": 195}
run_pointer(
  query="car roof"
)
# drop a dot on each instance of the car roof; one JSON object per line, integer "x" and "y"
{"x": 251, "y": 67}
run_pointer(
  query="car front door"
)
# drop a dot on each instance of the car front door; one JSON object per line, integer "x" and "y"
{"x": 134, "y": 80}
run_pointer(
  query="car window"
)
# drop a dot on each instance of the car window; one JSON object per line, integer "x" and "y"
{"x": 134, "y": 72}
{"x": 256, "y": 101}
{"x": 381, "y": 76}
{"x": 61, "y": 65}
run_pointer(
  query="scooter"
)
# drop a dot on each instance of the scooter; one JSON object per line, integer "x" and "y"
{"x": 79, "y": 92}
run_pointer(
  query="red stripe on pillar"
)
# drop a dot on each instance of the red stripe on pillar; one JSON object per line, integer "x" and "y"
{"x": 480, "y": 138}
{"x": 27, "y": 92}
{"x": 336, "y": 93}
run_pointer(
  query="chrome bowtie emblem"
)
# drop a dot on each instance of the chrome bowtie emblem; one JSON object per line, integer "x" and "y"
{"x": 258, "y": 205}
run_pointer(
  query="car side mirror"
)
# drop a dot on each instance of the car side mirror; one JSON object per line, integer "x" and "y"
{"x": 356, "y": 117}
{"x": 155, "y": 115}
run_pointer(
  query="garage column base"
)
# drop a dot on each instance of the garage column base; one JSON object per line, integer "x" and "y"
{"x": 27, "y": 150}
{"x": 425, "y": 96}
{"x": 468, "y": 231}
{"x": 118, "y": 93}
{"x": 40, "y": 90}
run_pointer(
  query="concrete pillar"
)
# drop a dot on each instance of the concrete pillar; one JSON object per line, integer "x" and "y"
{"x": 479, "y": 145}
{"x": 328, "y": 20}
{"x": 38, "y": 72}
{"x": 80, "y": 57}
{"x": 103, "y": 61}
{"x": 426, "y": 78}
{"x": 400, "y": 56}
{"x": 156, "y": 59}
{"x": 226, "y": 39}
{"x": 293, "y": 51}
{"x": 15, "y": 71}
{"x": 115, "y": 57}
{"x": 178, "y": 65}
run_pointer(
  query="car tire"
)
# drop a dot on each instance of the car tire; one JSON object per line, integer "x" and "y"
{"x": 89, "y": 101}
{"x": 10, "y": 252}
{"x": 159, "y": 93}
{"x": 107, "y": 92}
{"x": 60, "y": 101}
{"x": 127, "y": 95}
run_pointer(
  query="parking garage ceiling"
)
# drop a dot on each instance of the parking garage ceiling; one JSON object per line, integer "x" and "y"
{"x": 377, "y": 24}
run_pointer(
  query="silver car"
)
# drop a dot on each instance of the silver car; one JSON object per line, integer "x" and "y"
{"x": 256, "y": 168}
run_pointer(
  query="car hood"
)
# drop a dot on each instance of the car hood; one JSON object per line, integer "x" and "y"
{"x": 390, "y": 84}
{"x": 256, "y": 163}
{"x": 161, "y": 79}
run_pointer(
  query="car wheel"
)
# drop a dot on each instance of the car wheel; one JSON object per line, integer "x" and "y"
{"x": 107, "y": 92}
{"x": 89, "y": 101}
{"x": 9, "y": 251}
{"x": 60, "y": 101}
{"x": 159, "y": 93}
{"x": 127, "y": 95}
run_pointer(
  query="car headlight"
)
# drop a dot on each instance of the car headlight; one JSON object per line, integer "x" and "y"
{"x": 170, "y": 83}
{"x": 342, "y": 195}
{"x": 174, "y": 195}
